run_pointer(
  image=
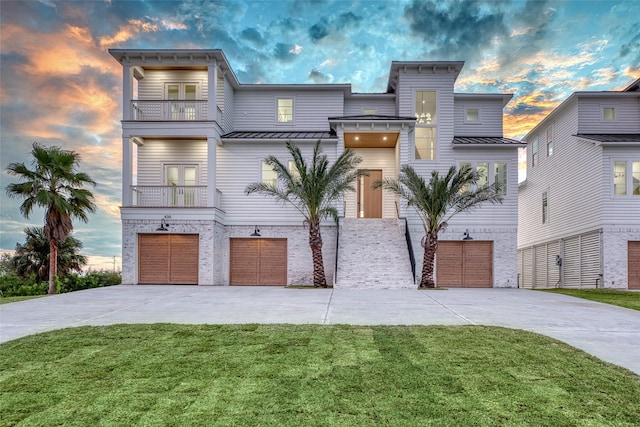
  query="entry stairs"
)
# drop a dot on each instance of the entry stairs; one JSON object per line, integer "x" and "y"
{"x": 373, "y": 254}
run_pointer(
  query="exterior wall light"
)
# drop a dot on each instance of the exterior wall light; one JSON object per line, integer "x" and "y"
{"x": 467, "y": 236}
{"x": 256, "y": 232}
{"x": 163, "y": 226}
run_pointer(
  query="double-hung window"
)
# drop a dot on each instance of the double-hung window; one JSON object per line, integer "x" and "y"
{"x": 545, "y": 208}
{"x": 626, "y": 178}
{"x": 285, "y": 110}
{"x": 549, "y": 141}
{"x": 426, "y": 121}
{"x": 534, "y": 152}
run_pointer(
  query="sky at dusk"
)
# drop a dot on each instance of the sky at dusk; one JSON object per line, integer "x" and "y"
{"x": 59, "y": 85}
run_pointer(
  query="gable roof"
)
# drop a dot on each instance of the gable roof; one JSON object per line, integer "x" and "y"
{"x": 492, "y": 141}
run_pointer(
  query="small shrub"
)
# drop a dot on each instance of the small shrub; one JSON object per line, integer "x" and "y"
{"x": 12, "y": 285}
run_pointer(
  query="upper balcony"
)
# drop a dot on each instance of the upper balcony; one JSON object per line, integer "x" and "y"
{"x": 171, "y": 110}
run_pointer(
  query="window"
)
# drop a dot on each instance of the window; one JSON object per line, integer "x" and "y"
{"x": 426, "y": 107}
{"x": 425, "y": 143}
{"x": 620, "y": 178}
{"x": 545, "y": 207}
{"x": 608, "y": 113}
{"x": 635, "y": 178}
{"x": 534, "y": 152}
{"x": 483, "y": 174}
{"x": 293, "y": 170}
{"x": 425, "y": 131}
{"x": 472, "y": 115}
{"x": 500, "y": 177}
{"x": 549, "y": 141}
{"x": 285, "y": 110}
{"x": 269, "y": 176}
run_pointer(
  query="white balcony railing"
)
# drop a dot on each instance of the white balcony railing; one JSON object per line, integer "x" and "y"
{"x": 160, "y": 196}
{"x": 176, "y": 110}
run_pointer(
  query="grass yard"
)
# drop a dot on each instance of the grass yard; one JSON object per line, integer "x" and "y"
{"x": 285, "y": 375}
{"x": 7, "y": 300}
{"x": 627, "y": 299}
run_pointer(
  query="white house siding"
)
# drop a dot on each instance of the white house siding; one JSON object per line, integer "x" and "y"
{"x": 228, "y": 108}
{"x": 209, "y": 239}
{"x": 240, "y": 164}
{"x": 155, "y": 153}
{"x": 572, "y": 178}
{"x": 255, "y": 109}
{"x": 152, "y": 86}
{"x": 490, "y": 118}
{"x": 627, "y": 114}
{"x": 617, "y": 210}
{"x": 299, "y": 261}
{"x": 375, "y": 158}
{"x": 357, "y": 106}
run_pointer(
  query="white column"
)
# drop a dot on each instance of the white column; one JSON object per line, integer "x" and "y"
{"x": 212, "y": 75}
{"x": 211, "y": 174}
{"x": 127, "y": 91}
{"x": 127, "y": 170}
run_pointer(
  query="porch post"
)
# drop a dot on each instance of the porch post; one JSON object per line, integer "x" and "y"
{"x": 212, "y": 75}
{"x": 127, "y": 170}
{"x": 127, "y": 91}
{"x": 211, "y": 174}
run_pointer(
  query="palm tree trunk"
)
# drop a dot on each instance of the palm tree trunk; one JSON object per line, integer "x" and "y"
{"x": 53, "y": 265}
{"x": 430, "y": 245}
{"x": 315, "y": 242}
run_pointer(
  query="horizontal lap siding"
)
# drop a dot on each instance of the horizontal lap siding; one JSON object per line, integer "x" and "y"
{"x": 619, "y": 210}
{"x": 239, "y": 164}
{"x": 256, "y": 109}
{"x": 627, "y": 115}
{"x": 356, "y": 107}
{"x": 490, "y": 120}
{"x": 154, "y": 154}
{"x": 152, "y": 86}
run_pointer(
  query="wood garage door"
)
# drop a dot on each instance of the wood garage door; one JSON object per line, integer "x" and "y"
{"x": 466, "y": 264}
{"x": 258, "y": 262}
{"x": 168, "y": 259}
{"x": 633, "y": 255}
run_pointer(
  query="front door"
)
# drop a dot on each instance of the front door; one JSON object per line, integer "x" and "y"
{"x": 177, "y": 178}
{"x": 369, "y": 200}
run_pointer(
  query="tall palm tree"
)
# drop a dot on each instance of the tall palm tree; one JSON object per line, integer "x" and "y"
{"x": 55, "y": 185}
{"x": 32, "y": 257}
{"x": 313, "y": 187}
{"x": 437, "y": 202}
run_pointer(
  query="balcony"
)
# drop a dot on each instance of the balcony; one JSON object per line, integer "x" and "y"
{"x": 178, "y": 196}
{"x": 169, "y": 110}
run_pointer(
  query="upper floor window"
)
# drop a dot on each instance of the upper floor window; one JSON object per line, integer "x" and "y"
{"x": 534, "y": 152}
{"x": 425, "y": 107}
{"x": 472, "y": 115}
{"x": 608, "y": 113}
{"x": 623, "y": 181}
{"x": 500, "y": 177}
{"x": 425, "y": 131}
{"x": 545, "y": 208}
{"x": 285, "y": 110}
{"x": 425, "y": 143}
{"x": 549, "y": 141}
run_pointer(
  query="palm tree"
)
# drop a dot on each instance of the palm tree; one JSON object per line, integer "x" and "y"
{"x": 313, "y": 188}
{"x": 55, "y": 185}
{"x": 32, "y": 257}
{"x": 437, "y": 202}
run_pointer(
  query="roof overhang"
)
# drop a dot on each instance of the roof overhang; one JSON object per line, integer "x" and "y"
{"x": 505, "y": 97}
{"x": 432, "y": 67}
{"x": 611, "y": 139}
{"x": 486, "y": 141}
{"x": 275, "y": 136}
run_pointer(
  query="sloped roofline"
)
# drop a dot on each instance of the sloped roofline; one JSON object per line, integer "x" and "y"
{"x": 506, "y": 97}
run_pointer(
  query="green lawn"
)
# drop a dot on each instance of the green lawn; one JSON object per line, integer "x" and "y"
{"x": 628, "y": 299}
{"x": 275, "y": 375}
{"x": 7, "y": 300}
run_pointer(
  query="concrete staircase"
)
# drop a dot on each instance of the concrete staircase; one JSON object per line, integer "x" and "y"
{"x": 373, "y": 254}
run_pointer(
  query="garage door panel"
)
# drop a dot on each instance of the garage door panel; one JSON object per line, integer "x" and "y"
{"x": 464, "y": 264}
{"x": 168, "y": 259}
{"x": 258, "y": 262}
{"x": 633, "y": 255}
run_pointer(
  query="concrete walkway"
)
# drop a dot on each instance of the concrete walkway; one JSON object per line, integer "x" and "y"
{"x": 608, "y": 332}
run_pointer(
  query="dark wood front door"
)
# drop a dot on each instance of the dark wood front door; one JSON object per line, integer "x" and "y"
{"x": 369, "y": 200}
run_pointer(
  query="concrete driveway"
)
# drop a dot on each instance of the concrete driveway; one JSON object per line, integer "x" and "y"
{"x": 608, "y": 332}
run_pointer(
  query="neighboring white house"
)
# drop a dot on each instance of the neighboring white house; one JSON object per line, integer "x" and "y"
{"x": 579, "y": 218}
{"x": 194, "y": 137}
